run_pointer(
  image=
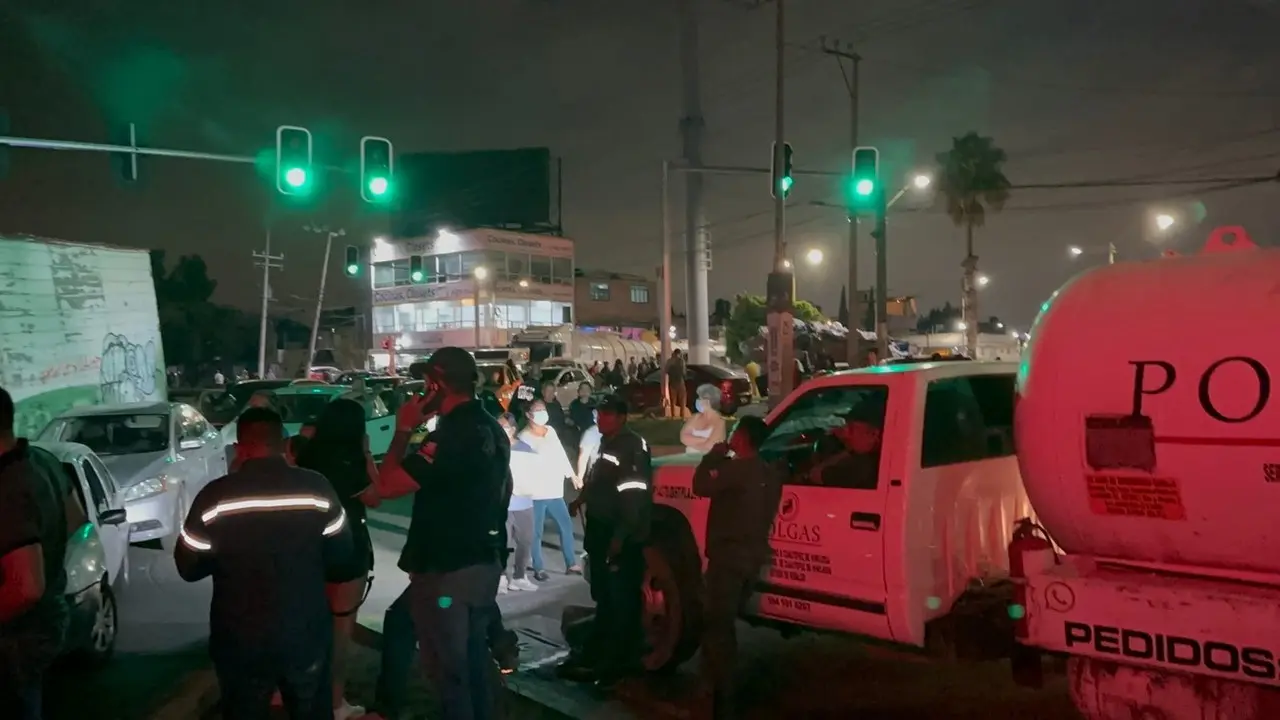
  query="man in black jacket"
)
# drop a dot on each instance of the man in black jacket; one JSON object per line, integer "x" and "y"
{"x": 744, "y": 492}
{"x": 462, "y": 483}
{"x": 271, "y": 535}
{"x": 618, "y": 494}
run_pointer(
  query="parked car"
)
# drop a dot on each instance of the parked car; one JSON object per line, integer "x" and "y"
{"x": 735, "y": 390}
{"x": 567, "y": 380}
{"x": 222, "y": 406}
{"x": 97, "y": 559}
{"x": 161, "y": 455}
{"x": 300, "y": 404}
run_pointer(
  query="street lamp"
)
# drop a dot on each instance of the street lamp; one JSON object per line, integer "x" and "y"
{"x": 814, "y": 256}
{"x": 1164, "y": 221}
{"x": 786, "y": 264}
{"x": 962, "y": 326}
{"x": 1076, "y": 251}
{"x": 919, "y": 182}
{"x": 480, "y": 273}
{"x": 922, "y": 181}
{"x": 982, "y": 281}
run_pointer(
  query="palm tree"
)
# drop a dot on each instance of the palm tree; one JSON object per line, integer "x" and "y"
{"x": 972, "y": 182}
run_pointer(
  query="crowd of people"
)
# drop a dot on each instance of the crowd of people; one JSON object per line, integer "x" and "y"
{"x": 284, "y": 538}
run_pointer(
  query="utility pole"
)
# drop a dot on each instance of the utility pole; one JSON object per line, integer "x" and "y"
{"x": 324, "y": 275}
{"x": 781, "y": 363}
{"x": 692, "y": 126}
{"x": 854, "y": 297}
{"x": 664, "y": 323}
{"x": 267, "y": 262}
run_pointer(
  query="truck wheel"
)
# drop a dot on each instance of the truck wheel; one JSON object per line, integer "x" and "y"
{"x": 672, "y": 600}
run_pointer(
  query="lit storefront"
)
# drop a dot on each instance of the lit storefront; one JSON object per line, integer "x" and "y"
{"x": 476, "y": 288}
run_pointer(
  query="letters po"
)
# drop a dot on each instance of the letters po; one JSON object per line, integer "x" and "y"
{"x": 1157, "y": 377}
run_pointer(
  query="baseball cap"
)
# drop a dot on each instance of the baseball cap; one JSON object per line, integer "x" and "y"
{"x": 454, "y": 367}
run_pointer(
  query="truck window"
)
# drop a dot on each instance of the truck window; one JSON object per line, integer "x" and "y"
{"x": 967, "y": 419}
{"x": 830, "y": 437}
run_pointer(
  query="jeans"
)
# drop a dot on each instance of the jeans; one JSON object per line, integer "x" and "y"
{"x": 453, "y": 615}
{"x": 399, "y": 640}
{"x": 520, "y": 530}
{"x": 23, "y": 698}
{"x": 559, "y": 512}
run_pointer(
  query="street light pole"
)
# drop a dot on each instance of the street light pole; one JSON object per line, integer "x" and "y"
{"x": 479, "y": 275}
{"x": 780, "y": 284}
{"x": 853, "y": 297}
{"x": 664, "y": 327}
{"x": 324, "y": 275}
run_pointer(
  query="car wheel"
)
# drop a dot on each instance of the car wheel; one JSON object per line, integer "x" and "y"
{"x": 672, "y": 602}
{"x": 106, "y": 624}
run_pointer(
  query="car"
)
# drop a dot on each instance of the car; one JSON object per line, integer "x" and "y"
{"x": 222, "y": 406}
{"x": 161, "y": 454}
{"x": 96, "y": 562}
{"x": 905, "y": 544}
{"x": 566, "y": 379}
{"x": 645, "y": 396}
{"x": 301, "y": 404}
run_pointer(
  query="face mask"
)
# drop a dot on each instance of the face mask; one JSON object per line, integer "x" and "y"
{"x": 700, "y": 406}
{"x": 541, "y": 417}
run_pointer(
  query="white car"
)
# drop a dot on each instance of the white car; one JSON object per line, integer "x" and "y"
{"x": 161, "y": 454}
{"x": 567, "y": 380}
{"x": 97, "y": 561}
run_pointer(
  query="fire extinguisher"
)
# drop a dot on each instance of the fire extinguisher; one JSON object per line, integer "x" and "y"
{"x": 1030, "y": 552}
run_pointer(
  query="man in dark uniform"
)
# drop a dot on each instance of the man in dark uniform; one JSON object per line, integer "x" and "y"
{"x": 461, "y": 478}
{"x": 270, "y": 534}
{"x": 618, "y": 495}
{"x": 38, "y": 513}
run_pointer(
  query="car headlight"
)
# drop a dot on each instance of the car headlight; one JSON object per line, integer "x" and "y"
{"x": 147, "y": 488}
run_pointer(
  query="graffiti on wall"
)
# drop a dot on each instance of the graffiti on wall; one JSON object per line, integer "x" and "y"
{"x": 128, "y": 370}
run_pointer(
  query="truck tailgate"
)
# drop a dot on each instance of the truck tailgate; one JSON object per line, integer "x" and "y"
{"x": 1168, "y": 621}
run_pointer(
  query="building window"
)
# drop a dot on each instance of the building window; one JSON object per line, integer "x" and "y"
{"x": 540, "y": 269}
{"x": 562, "y": 271}
{"x": 640, "y": 294}
{"x": 600, "y": 291}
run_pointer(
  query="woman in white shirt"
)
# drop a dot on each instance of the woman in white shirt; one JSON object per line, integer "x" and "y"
{"x": 706, "y": 428}
{"x": 519, "y": 510}
{"x": 548, "y": 489}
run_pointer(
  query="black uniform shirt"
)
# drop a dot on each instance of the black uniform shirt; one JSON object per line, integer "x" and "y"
{"x": 463, "y": 472}
{"x": 619, "y": 489}
{"x": 271, "y": 535}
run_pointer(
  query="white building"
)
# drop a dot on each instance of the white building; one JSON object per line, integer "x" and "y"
{"x": 477, "y": 288}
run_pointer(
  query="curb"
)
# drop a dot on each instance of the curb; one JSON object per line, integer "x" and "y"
{"x": 195, "y": 697}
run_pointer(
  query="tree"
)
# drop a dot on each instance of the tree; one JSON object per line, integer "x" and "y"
{"x": 941, "y": 319}
{"x": 972, "y": 182}
{"x": 749, "y": 315}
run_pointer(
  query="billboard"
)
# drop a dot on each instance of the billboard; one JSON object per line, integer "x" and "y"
{"x": 485, "y": 188}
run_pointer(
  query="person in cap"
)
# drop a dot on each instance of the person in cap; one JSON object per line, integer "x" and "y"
{"x": 850, "y": 455}
{"x": 453, "y": 554}
{"x": 271, "y": 535}
{"x": 618, "y": 495}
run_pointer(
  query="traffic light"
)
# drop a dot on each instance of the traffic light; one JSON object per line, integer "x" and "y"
{"x": 376, "y": 166}
{"x": 780, "y": 181}
{"x": 864, "y": 185}
{"x": 293, "y": 160}
{"x": 415, "y": 269}
{"x": 352, "y": 266}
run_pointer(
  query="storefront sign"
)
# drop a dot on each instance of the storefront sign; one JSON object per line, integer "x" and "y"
{"x": 467, "y": 289}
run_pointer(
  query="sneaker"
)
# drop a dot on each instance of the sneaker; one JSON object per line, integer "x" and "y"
{"x": 503, "y": 585}
{"x": 573, "y": 570}
{"x": 541, "y": 575}
{"x": 522, "y": 584}
{"x": 347, "y": 711}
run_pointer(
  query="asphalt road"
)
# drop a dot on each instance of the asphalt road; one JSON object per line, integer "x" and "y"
{"x": 164, "y": 625}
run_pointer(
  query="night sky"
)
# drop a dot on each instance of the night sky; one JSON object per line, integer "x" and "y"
{"x": 1074, "y": 90}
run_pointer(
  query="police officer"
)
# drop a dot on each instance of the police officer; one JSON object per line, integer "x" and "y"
{"x": 618, "y": 495}
{"x": 270, "y": 534}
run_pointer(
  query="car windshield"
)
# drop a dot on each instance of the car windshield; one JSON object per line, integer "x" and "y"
{"x": 301, "y": 408}
{"x": 109, "y": 435}
{"x": 816, "y": 412}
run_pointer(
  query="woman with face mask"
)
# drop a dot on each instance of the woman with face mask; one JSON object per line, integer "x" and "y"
{"x": 519, "y": 510}
{"x": 548, "y": 493}
{"x": 706, "y": 428}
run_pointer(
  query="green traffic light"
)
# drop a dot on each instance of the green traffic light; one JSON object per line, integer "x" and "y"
{"x": 416, "y": 277}
{"x": 378, "y": 186}
{"x": 864, "y": 187}
{"x": 295, "y": 177}
{"x": 353, "y": 269}
{"x": 785, "y": 183}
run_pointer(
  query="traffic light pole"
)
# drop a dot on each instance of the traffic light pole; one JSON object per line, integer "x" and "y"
{"x": 692, "y": 127}
{"x": 268, "y": 262}
{"x": 780, "y": 285}
{"x": 882, "y": 278}
{"x": 854, "y": 297}
{"x": 324, "y": 275}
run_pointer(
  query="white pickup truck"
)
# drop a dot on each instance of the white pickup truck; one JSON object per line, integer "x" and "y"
{"x": 906, "y": 544}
